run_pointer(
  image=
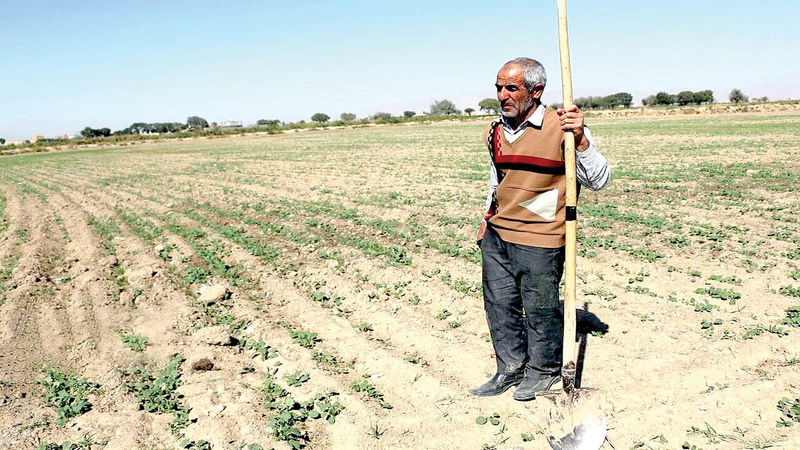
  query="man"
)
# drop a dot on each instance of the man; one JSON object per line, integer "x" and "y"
{"x": 522, "y": 235}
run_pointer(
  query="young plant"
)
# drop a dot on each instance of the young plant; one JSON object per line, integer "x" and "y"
{"x": 134, "y": 342}
{"x": 68, "y": 393}
{"x": 297, "y": 378}
{"x": 371, "y": 392}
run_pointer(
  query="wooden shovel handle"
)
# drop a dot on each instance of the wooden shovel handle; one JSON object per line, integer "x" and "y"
{"x": 568, "y": 355}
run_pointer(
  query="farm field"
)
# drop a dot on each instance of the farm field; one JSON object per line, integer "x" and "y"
{"x": 323, "y": 289}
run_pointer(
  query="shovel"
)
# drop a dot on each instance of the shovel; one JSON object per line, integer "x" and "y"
{"x": 590, "y": 433}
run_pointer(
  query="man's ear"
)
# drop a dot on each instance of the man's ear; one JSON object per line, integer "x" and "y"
{"x": 538, "y": 90}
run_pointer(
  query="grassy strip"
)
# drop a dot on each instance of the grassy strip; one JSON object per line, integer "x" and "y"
{"x": 108, "y": 231}
{"x": 3, "y": 219}
{"x": 141, "y": 227}
{"x": 643, "y": 254}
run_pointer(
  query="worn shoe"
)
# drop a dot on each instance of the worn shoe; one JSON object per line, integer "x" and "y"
{"x": 528, "y": 388}
{"x": 498, "y": 384}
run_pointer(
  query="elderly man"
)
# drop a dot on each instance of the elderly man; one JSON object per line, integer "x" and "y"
{"x": 522, "y": 235}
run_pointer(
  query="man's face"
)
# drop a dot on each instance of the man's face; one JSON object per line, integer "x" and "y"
{"x": 515, "y": 99}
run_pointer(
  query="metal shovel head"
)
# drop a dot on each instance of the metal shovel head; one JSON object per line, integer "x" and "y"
{"x": 587, "y": 435}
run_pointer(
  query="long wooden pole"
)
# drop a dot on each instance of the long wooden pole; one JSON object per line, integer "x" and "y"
{"x": 568, "y": 355}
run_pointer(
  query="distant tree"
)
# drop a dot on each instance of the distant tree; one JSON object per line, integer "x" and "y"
{"x": 443, "y": 108}
{"x": 649, "y": 100}
{"x": 685, "y": 98}
{"x": 555, "y": 105}
{"x": 662, "y": 98}
{"x": 2, "y": 141}
{"x": 320, "y": 118}
{"x": 195, "y": 122}
{"x": 409, "y": 114}
{"x": 347, "y": 117}
{"x": 381, "y": 116}
{"x": 272, "y": 123}
{"x": 469, "y": 111}
{"x": 87, "y": 132}
{"x": 491, "y": 105}
{"x": 761, "y": 99}
{"x": 623, "y": 99}
{"x": 701, "y": 97}
{"x": 737, "y": 96}
{"x": 104, "y": 132}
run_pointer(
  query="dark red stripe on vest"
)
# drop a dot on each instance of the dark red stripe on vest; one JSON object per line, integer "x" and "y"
{"x": 500, "y": 158}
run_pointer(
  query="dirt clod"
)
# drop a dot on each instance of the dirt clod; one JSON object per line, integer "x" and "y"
{"x": 203, "y": 364}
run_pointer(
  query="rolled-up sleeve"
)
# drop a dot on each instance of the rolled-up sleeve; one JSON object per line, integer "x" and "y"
{"x": 592, "y": 169}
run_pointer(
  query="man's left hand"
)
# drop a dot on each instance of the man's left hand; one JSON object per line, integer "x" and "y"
{"x": 572, "y": 119}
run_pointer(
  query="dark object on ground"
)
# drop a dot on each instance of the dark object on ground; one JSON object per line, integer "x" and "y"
{"x": 203, "y": 364}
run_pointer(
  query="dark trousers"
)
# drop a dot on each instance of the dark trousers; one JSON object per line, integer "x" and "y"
{"x": 520, "y": 293}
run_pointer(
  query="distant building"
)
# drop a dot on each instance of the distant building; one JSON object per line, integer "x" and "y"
{"x": 36, "y": 138}
{"x": 16, "y": 142}
{"x": 231, "y": 124}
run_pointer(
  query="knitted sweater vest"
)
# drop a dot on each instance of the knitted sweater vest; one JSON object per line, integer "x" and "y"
{"x": 531, "y": 197}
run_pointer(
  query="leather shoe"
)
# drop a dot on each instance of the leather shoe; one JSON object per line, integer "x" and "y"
{"x": 498, "y": 384}
{"x": 532, "y": 384}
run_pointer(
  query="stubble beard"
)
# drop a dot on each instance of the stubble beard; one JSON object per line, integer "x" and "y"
{"x": 519, "y": 112}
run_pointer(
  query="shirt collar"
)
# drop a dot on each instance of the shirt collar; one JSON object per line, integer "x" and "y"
{"x": 536, "y": 119}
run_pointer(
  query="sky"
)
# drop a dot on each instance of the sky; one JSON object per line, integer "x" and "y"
{"x": 65, "y": 65}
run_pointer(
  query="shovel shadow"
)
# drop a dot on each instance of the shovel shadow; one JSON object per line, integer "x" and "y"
{"x": 588, "y": 323}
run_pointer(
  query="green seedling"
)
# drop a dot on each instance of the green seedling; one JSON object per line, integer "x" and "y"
{"x": 790, "y": 408}
{"x": 331, "y": 362}
{"x": 307, "y": 339}
{"x": 363, "y": 327}
{"x": 134, "y": 342}
{"x": 728, "y": 295}
{"x": 187, "y": 444}
{"x": 706, "y": 306}
{"x": 376, "y": 431}
{"x": 371, "y": 392}
{"x": 790, "y": 291}
{"x": 157, "y": 393}
{"x": 792, "y": 316}
{"x": 297, "y": 378}
{"x": 68, "y": 393}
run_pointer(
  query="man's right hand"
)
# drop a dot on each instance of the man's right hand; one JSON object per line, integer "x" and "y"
{"x": 481, "y": 232}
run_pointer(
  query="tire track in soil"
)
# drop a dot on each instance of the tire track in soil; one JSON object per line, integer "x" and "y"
{"x": 34, "y": 328}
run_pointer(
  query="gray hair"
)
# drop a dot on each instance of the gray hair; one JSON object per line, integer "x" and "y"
{"x": 533, "y": 71}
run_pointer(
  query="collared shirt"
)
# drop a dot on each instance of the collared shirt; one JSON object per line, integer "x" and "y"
{"x": 591, "y": 167}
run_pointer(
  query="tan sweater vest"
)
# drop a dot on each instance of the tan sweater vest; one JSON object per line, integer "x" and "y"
{"x": 531, "y": 197}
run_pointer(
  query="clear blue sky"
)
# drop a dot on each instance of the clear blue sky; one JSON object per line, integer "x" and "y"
{"x": 67, "y": 65}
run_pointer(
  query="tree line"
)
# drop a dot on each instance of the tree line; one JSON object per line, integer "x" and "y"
{"x": 438, "y": 108}
{"x": 681, "y": 98}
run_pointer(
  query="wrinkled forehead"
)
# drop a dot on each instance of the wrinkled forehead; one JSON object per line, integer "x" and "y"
{"x": 510, "y": 72}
